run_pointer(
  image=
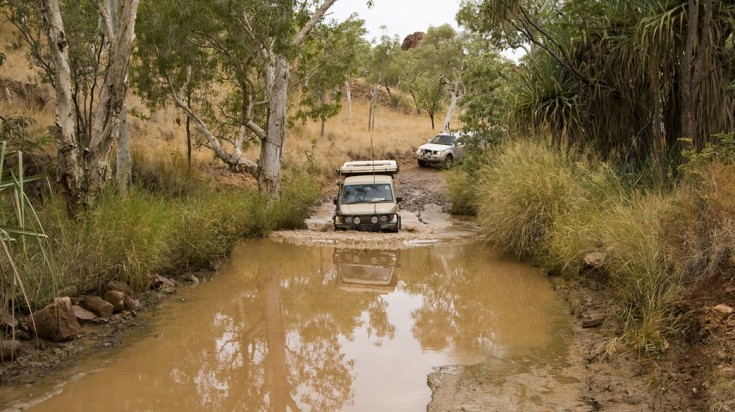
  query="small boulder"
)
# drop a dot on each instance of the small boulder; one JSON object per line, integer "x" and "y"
{"x": 131, "y": 304}
{"x": 116, "y": 285}
{"x": 723, "y": 310}
{"x": 116, "y": 298}
{"x": 98, "y": 306}
{"x": 83, "y": 315}
{"x": 593, "y": 322}
{"x": 56, "y": 322}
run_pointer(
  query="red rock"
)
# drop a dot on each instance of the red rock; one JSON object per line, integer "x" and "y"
{"x": 116, "y": 299}
{"x": 116, "y": 285}
{"x": 83, "y": 315}
{"x": 98, "y": 306}
{"x": 723, "y": 309}
{"x": 56, "y": 322}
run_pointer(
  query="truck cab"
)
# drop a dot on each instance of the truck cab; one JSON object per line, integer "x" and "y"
{"x": 366, "y": 198}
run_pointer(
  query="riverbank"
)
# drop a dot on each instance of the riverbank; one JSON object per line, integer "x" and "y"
{"x": 594, "y": 373}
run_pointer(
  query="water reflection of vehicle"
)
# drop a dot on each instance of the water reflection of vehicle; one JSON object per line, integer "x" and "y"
{"x": 366, "y": 270}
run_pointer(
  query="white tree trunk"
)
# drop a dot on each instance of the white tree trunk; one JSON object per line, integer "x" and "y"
{"x": 269, "y": 176}
{"x": 452, "y": 105}
{"x": 123, "y": 173}
{"x": 70, "y": 171}
{"x": 112, "y": 97}
{"x": 348, "y": 95}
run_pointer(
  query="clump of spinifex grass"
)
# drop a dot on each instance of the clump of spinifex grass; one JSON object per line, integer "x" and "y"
{"x": 523, "y": 188}
{"x": 554, "y": 208}
{"x": 643, "y": 286}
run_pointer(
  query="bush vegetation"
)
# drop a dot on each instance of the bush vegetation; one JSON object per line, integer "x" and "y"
{"x": 554, "y": 207}
{"x": 168, "y": 227}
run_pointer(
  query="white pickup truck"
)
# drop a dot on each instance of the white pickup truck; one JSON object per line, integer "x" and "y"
{"x": 367, "y": 199}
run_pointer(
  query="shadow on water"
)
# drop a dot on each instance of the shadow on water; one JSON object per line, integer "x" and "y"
{"x": 285, "y": 327}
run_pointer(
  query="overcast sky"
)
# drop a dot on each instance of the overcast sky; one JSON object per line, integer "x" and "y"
{"x": 401, "y": 17}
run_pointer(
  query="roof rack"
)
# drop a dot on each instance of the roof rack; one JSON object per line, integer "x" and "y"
{"x": 369, "y": 167}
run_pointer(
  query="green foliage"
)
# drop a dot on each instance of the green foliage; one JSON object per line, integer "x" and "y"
{"x": 616, "y": 77}
{"x": 327, "y": 60}
{"x": 14, "y": 131}
{"x": 28, "y": 273}
{"x": 433, "y": 69}
{"x": 84, "y": 34}
{"x": 696, "y": 162}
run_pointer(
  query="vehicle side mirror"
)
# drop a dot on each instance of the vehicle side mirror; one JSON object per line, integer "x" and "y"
{"x": 334, "y": 200}
{"x": 399, "y": 199}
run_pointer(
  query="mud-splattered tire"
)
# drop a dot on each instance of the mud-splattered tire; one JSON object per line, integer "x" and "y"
{"x": 423, "y": 163}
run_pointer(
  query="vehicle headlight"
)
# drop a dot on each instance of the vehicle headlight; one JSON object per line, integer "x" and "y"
{"x": 348, "y": 220}
{"x": 374, "y": 220}
{"x": 383, "y": 219}
{"x": 356, "y": 220}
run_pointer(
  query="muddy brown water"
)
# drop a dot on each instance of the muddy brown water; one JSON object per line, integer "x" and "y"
{"x": 322, "y": 328}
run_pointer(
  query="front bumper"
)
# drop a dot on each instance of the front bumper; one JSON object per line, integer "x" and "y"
{"x": 390, "y": 222}
{"x": 430, "y": 156}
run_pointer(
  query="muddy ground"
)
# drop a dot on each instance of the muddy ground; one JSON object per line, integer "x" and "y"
{"x": 594, "y": 375}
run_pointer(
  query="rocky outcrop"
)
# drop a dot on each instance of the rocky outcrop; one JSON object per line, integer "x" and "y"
{"x": 412, "y": 40}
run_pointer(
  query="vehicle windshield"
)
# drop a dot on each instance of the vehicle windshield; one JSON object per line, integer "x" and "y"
{"x": 445, "y": 139}
{"x": 369, "y": 193}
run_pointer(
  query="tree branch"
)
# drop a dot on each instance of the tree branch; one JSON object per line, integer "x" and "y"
{"x": 318, "y": 14}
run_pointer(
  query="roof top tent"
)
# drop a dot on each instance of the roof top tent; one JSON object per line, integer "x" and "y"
{"x": 366, "y": 167}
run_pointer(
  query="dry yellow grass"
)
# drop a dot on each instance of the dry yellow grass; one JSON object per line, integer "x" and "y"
{"x": 396, "y": 135}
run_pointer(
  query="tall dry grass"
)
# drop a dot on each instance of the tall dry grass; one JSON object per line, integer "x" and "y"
{"x": 554, "y": 208}
{"x": 396, "y": 136}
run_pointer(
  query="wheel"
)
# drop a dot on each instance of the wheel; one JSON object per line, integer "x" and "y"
{"x": 448, "y": 161}
{"x": 423, "y": 163}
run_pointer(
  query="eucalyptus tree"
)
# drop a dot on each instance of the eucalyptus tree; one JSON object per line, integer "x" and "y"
{"x": 328, "y": 58}
{"x": 438, "y": 63}
{"x": 77, "y": 44}
{"x": 379, "y": 72}
{"x": 233, "y": 60}
{"x": 487, "y": 82}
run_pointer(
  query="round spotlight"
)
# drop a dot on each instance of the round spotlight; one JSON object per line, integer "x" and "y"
{"x": 348, "y": 220}
{"x": 374, "y": 220}
{"x": 356, "y": 220}
{"x": 383, "y": 219}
